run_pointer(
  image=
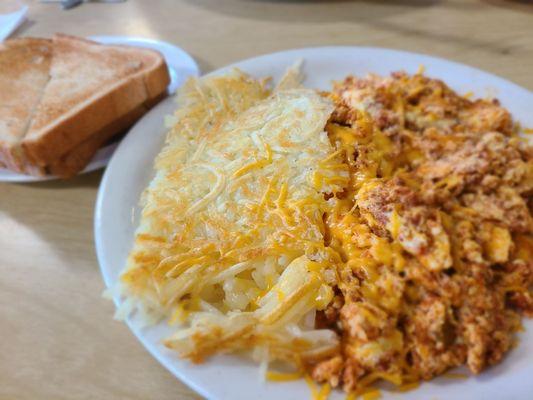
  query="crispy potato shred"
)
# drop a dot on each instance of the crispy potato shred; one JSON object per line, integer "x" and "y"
{"x": 378, "y": 232}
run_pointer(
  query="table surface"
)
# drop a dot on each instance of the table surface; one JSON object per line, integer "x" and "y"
{"x": 58, "y": 337}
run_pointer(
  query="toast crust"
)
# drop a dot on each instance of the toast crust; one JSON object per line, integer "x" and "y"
{"x": 25, "y": 65}
{"x": 74, "y": 161}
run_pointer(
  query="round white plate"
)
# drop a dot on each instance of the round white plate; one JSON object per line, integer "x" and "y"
{"x": 231, "y": 377}
{"x": 180, "y": 66}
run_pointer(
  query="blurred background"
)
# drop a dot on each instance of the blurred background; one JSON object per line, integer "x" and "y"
{"x": 484, "y": 33}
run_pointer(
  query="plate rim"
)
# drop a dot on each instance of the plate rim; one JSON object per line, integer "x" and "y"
{"x": 148, "y": 345}
{"x": 373, "y": 48}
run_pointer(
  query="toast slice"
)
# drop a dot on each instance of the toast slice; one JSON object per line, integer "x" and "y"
{"x": 93, "y": 90}
{"x": 76, "y": 160}
{"x": 24, "y": 66}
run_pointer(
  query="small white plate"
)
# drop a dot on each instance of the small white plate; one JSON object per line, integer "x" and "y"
{"x": 231, "y": 377}
{"x": 180, "y": 66}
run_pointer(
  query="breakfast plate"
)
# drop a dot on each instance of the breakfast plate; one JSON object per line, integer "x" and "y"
{"x": 180, "y": 65}
{"x": 233, "y": 377}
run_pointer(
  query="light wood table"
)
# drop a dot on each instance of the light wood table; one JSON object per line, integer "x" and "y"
{"x": 57, "y": 336}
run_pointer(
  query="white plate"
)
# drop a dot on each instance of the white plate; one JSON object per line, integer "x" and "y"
{"x": 180, "y": 66}
{"x": 231, "y": 377}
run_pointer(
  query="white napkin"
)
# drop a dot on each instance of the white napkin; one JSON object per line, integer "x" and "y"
{"x": 10, "y": 22}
